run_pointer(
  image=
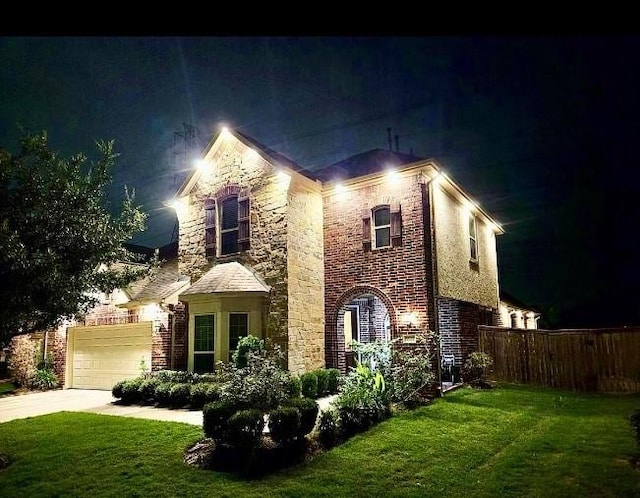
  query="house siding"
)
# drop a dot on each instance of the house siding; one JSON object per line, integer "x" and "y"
{"x": 397, "y": 275}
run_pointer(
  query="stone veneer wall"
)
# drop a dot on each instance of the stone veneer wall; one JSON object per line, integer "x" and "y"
{"x": 458, "y": 278}
{"x": 305, "y": 269}
{"x": 234, "y": 163}
{"x": 398, "y": 273}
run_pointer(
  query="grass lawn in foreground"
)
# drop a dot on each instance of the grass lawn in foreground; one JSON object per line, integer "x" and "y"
{"x": 509, "y": 441}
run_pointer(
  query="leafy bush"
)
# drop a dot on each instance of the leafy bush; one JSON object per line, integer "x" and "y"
{"x": 476, "y": 366}
{"x": 118, "y": 387}
{"x": 376, "y": 355}
{"x": 147, "y": 389}
{"x": 130, "y": 393}
{"x": 162, "y": 393}
{"x": 22, "y": 360}
{"x": 262, "y": 384}
{"x": 202, "y": 393}
{"x": 309, "y": 382}
{"x": 364, "y": 400}
{"x": 329, "y": 428}
{"x": 411, "y": 374}
{"x": 323, "y": 382}
{"x": 179, "y": 394}
{"x": 206, "y": 378}
{"x": 176, "y": 376}
{"x": 333, "y": 380}
{"x": 246, "y": 345}
{"x": 634, "y": 420}
{"x": 308, "y": 409}
{"x": 215, "y": 417}
{"x": 44, "y": 379}
{"x": 244, "y": 429}
{"x": 213, "y": 392}
{"x": 294, "y": 387}
{"x": 284, "y": 424}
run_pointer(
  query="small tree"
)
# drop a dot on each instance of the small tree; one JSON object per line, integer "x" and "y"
{"x": 58, "y": 236}
{"x": 475, "y": 368}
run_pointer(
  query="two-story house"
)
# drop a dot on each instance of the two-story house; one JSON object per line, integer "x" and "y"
{"x": 379, "y": 246}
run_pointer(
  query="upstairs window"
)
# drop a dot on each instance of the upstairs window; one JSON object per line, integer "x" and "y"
{"x": 229, "y": 225}
{"x": 382, "y": 227}
{"x": 210, "y": 227}
{"x": 473, "y": 239}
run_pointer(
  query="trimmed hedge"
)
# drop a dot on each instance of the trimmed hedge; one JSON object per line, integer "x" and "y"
{"x": 284, "y": 424}
{"x": 215, "y": 417}
{"x": 179, "y": 394}
{"x": 162, "y": 394}
{"x": 333, "y": 380}
{"x": 244, "y": 429}
{"x": 323, "y": 382}
{"x": 308, "y": 409}
{"x": 309, "y": 382}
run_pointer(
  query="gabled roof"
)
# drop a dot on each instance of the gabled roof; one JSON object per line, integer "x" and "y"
{"x": 516, "y": 303}
{"x": 365, "y": 163}
{"x": 265, "y": 152}
{"x": 164, "y": 282}
{"x": 228, "y": 277}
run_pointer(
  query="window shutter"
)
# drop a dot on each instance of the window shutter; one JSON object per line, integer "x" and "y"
{"x": 244, "y": 217}
{"x": 396, "y": 225}
{"x": 366, "y": 230}
{"x": 210, "y": 227}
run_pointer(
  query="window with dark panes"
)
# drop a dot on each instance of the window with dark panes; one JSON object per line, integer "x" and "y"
{"x": 238, "y": 327}
{"x": 382, "y": 227}
{"x": 203, "y": 343}
{"x": 473, "y": 239}
{"x": 229, "y": 225}
{"x": 210, "y": 227}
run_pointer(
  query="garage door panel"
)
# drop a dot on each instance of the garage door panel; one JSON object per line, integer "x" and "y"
{"x": 105, "y": 355}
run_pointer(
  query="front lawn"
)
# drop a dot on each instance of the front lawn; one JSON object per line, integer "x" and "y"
{"x": 510, "y": 441}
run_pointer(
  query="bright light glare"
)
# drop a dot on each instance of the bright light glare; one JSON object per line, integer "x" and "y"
{"x": 392, "y": 175}
{"x": 201, "y": 164}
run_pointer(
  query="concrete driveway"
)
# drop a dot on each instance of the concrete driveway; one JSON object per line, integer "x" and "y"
{"x": 86, "y": 400}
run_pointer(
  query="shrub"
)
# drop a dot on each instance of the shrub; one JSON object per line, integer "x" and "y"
{"x": 476, "y": 366}
{"x": 284, "y": 424}
{"x": 44, "y": 379}
{"x": 634, "y": 420}
{"x": 130, "y": 393}
{"x": 309, "y": 382}
{"x": 213, "y": 392}
{"x": 411, "y": 374}
{"x": 215, "y": 417}
{"x": 294, "y": 387}
{"x": 246, "y": 345}
{"x": 162, "y": 393}
{"x": 323, "y": 382}
{"x": 329, "y": 428}
{"x": 198, "y": 395}
{"x": 176, "y": 376}
{"x": 179, "y": 394}
{"x": 262, "y": 384}
{"x": 116, "y": 390}
{"x": 206, "y": 378}
{"x": 244, "y": 429}
{"x": 333, "y": 380}
{"x": 308, "y": 409}
{"x": 22, "y": 359}
{"x": 147, "y": 389}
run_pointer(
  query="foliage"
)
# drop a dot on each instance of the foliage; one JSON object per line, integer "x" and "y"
{"x": 376, "y": 355}
{"x": 203, "y": 392}
{"x": 308, "y": 409}
{"x": 179, "y": 394}
{"x": 162, "y": 394}
{"x": 634, "y": 420}
{"x": 329, "y": 428}
{"x": 284, "y": 424}
{"x": 364, "y": 400}
{"x": 244, "y": 428}
{"x": 262, "y": 384}
{"x": 130, "y": 391}
{"x": 117, "y": 389}
{"x": 147, "y": 389}
{"x": 411, "y": 374}
{"x": 309, "y": 381}
{"x": 215, "y": 417}
{"x": 333, "y": 380}
{"x": 44, "y": 379}
{"x": 294, "y": 388}
{"x": 246, "y": 345}
{"x": 58, "y": 236}
{"x": 22, "y": 360}
{"x": 476, "y": 366}
{"x": 323, "y": 382}
{"x": 176, "y": 376}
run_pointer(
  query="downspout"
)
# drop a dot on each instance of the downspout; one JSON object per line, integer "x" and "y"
{"x": 434, "y": 279}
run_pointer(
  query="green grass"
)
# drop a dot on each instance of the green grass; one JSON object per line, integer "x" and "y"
{"x": 510, "y": 441}
{"x": 6, "y": 387}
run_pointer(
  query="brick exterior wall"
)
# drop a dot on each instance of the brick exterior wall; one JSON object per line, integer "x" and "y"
{"x": 396, "y": 275}
{"x": 458, "y": 323}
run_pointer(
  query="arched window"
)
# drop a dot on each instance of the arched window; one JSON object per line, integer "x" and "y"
{"x": 226, "y": 225}
{"x": 229, "y": 225}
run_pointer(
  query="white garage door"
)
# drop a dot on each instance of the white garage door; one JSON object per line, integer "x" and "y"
{"x": 101, "y": 356}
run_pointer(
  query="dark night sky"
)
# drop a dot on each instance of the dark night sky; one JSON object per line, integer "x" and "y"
{"x": 541, "y": 130}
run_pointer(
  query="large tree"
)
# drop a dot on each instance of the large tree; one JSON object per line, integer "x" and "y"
{"x": 59, "y": 238}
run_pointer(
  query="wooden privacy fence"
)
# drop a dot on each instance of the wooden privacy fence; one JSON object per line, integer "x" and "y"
{"x": 606, "y": 360}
